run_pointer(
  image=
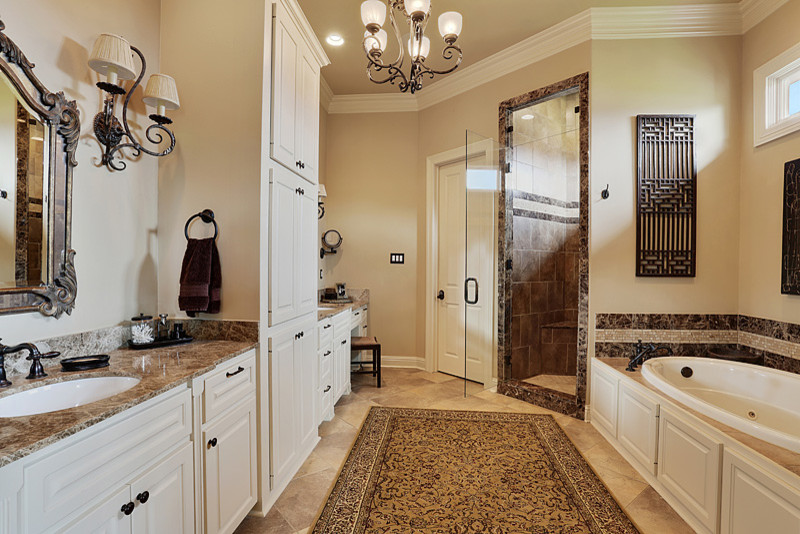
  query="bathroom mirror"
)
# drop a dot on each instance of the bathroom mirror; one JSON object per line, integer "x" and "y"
{"x": 38, "y": 136}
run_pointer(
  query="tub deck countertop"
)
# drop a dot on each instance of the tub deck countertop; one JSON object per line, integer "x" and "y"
{"x": 159, "y": 370}
{"x": 787, "y": 459}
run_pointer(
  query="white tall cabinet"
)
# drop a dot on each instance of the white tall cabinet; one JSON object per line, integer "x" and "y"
{"x": 289, "y": 405}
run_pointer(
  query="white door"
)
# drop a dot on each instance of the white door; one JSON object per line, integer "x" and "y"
{"x": 284, "y": 424}
{"x": 107, "y": 518}
{"x": 305, "y": 385}
{"x": 451, "y": 266}
{"x": 284, "y": 204}
{"x": 307, "y": 249}
{"x": 307, "y": 115}
{"x": 164, "y": 496}
{"x": 284, "y": 90}
{"x": 230, "y": 468}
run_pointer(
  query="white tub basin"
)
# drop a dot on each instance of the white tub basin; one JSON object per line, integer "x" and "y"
{"x": 63, "y": 395}
{"x": 759, "y": 401}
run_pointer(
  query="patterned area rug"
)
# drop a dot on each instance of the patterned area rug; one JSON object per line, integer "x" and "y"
{"x": 431, "y": 471}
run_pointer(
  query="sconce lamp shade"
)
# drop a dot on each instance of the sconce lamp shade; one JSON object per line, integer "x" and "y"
{"x": 323, "y": 193}
{"x": 161, "y": 91}
{"x": 377, "y": 41}
{"x": 416, "y": 51}
{"x": 112, "y": 57}
{"x": 373, "y": 12}
{"x": 420, "y": 7}
{"x": 450, "y": 23}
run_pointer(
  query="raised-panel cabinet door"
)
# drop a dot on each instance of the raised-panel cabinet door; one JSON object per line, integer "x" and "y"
{"x": 306, "y": 373}
{"x": 307, "y": 115}
{"x": 307, "y": 250}
{"x": 341, "y": 362}
{"x": 285, "y": 52}
{"x": 230, "y": 468}
{"x": 637, "y": 426}
{"x": 164, "y": 496}
{"x": 604, "y": 401}
{"x": 106, "y": 518}
{"x": 284, "y": 420}
{"x": 284, "y": 204}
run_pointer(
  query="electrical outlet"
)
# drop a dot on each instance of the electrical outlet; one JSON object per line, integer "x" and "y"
{"x": 397, "y": 257}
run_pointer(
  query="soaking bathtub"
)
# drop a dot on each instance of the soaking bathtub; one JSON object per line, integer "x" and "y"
{"x": 759, "y": 401}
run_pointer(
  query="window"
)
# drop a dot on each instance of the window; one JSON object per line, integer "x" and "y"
{"x": 776, "y": 97}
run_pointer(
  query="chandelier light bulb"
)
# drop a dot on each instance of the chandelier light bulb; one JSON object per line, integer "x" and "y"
{"x": 414, "y": 49}
{"x": 450, "y": 24}
{"x": 418, "y": 8}
{"x": 377, "y": 41}
{"x": 373, "y": 14}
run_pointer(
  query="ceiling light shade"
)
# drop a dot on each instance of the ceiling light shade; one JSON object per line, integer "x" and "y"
{"x": 373, "y": 13}
{"x": 161, "y": 91}
{"x": 112, "y": 56}
{"x": 415, "y": 51}
{"x": 417, "y": 6}
{"x": 377, "y": 41}
{"x": 450, "y": 23}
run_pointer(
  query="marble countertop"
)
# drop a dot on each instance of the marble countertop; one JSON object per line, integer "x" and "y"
{"x": 787, "y": 459}
{"x": 159, "y": 370}
{"x": 329, "y": 309}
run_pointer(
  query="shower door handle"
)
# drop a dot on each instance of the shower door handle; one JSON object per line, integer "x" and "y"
{"x": 466, "y": 290}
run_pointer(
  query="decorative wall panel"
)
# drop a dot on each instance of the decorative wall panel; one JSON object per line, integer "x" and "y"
{"x": 790, "y": 257}
{"x": 666, "y": 202}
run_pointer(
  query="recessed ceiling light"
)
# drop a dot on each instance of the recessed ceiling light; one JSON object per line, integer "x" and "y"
{"x": 335, "y": 39}
{"x": 527, "y": 117}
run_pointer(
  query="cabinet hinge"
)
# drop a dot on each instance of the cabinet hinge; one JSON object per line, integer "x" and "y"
{"x": 508, "y": 168}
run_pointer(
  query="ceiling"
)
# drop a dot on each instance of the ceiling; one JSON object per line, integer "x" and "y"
{"x": 489, "y": 27}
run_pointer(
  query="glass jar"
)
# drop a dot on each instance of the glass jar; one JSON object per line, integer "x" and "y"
{"x": 143, "y": 329}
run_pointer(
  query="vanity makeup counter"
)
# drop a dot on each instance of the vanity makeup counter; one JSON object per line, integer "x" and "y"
{"x": 159, "y": 370}
{"x": 329, "y": 309}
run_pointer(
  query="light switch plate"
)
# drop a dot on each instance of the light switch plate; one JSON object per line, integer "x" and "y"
{"x": 397, "y": 257}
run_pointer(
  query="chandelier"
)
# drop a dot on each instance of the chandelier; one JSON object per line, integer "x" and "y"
{"x": 417, "y": 13}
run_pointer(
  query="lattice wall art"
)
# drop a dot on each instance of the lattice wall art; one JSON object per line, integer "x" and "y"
{"x": 790, "y": 257}
{"x": 666, "y": 203}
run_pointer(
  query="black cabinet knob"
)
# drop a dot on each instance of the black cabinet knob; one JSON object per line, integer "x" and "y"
{"x": 127, "y": 508}
{"x": 143, "y": 496}
{"x": 296, "y": 163}
{"x": 212, "y": 442}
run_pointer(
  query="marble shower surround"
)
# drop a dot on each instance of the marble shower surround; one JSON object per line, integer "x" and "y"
{"x": 777, "y": 341}
{"x": 505, "y": 233}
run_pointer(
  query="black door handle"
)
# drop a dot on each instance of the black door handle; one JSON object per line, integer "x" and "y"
{"x": 127, "y": 508}
{"x": 212, "y": 443}
{"x": 466, "y": 290}
{"x": 143, "y": 496}
{"x": 440, "y": 295}
{"x": 236, "y": 372}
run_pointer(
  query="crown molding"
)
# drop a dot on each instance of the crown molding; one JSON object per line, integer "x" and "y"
{"x": 754, "y": 11}
{"x": 325, "y": 94}
{"x": 299, "y": 18}
{"x": 603, "y": 23}
{"x": 380, "y": 103}
{"x": 660, "y": 22}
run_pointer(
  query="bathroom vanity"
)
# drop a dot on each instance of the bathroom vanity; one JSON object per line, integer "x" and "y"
{"x": 175, "y": 453}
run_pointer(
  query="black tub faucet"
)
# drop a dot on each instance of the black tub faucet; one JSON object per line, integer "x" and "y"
{"x": 37, "y": 371}
{"x": 643, "y": 352}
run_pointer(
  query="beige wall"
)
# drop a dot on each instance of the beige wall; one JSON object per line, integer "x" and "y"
{"x": 114, "y": 214}
{"x": 762, "y": 180}
{"x": 372, "y": 201}
{"x": 217, "y": 159}
{"x": 694, "y": 76}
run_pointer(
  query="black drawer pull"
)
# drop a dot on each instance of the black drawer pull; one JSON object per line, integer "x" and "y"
{"x": 358, "y": 313}
{"x": 212, "y": 443}
{"x": 143, "y": 496}
{"x": 327, "y": 353}
{"x": 344, "y": 342}
{"x": 127, "y": 508}
{"x": 326, "y": 327}
{"x": 327, "y": 389}
{"x": 236, "y": 372}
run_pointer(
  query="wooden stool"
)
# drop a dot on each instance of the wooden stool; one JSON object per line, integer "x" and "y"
{"x": 358, "y": 344}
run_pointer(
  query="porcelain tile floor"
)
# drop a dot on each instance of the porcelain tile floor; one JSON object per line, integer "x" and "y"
{"x": 298, "y": 506}
{"x": 565, "y": 384}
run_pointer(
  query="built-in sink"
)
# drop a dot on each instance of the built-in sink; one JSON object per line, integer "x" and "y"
{"x": 63, "y": 395}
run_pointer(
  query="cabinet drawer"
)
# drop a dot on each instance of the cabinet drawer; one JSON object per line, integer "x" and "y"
{"x": 95, "y": 462}
{"x": 325, "y": 333}
{"x": 325, "y": 358}
{"x": 231, "y": 382}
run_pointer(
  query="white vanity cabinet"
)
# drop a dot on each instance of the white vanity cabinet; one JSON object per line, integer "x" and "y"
{"x": 293, "y": 397}
{"x": 341, "y": 355}
{"x": 293, "y": 246}
{"x": 325, "y": 371}
{"x": 603, "y": 400}
{"x": 637, "y": 426}
{"x": 295, "y": 98}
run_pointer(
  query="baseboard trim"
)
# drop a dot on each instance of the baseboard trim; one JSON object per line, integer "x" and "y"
{"x": 403, "y": 362}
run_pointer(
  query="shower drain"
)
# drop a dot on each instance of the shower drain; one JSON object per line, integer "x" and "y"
{"x": 752, "y": 415}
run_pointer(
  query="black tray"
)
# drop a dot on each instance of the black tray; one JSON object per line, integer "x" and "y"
{"x": 158, "y": 343}
{"x": 84, "y": 363}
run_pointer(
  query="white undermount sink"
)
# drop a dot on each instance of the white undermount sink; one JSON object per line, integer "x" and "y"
{"x": 63, "y": 395}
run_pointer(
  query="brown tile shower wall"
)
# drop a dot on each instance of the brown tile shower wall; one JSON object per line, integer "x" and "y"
{"x": 544, "y": 296}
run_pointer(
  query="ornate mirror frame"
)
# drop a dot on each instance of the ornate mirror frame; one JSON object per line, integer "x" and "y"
{"x": 60, "y": 116}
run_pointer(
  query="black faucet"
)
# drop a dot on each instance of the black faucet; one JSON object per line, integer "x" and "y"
{"x": 37, "y": 371}
{"x": 642, "y": 353}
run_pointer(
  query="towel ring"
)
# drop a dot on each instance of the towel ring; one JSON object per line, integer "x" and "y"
{"x": 207, "y": 216}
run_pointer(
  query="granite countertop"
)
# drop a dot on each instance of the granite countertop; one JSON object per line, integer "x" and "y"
{"x": 159, "y": 370}
{"x": 329, "y": 309}
{"x": 787, "y": 459}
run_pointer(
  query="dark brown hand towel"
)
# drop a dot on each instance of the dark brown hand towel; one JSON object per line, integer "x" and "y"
{"x": 201, "y": 278}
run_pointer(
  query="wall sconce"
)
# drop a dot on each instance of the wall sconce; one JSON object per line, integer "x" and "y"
{"x": 321, "y": 204}
{"x": 112, "y": 56}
